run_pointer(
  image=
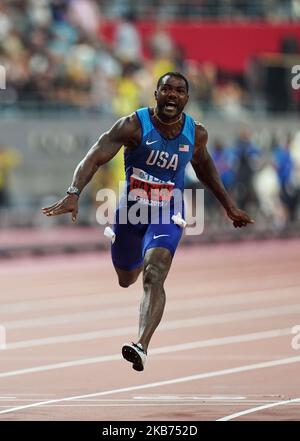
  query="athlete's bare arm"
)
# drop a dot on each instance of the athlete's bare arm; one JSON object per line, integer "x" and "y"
{"x": 126, "y": 131}
{"x": 207, "y": 173}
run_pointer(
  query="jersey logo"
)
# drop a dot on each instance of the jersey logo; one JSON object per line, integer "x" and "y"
{"x": 149, "y": 143}
{"x": 160, "y": 235}
{"x": 162, "y": 159}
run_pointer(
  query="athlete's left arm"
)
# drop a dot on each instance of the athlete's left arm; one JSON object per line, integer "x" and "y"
{"x": 207, "y": 173}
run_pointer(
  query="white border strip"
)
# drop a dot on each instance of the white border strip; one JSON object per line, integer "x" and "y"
{"x": 257, "y": 409}
{"x": 245, "y": 368}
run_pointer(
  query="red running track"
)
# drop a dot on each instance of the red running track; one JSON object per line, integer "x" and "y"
{"x": 222, "y": 351}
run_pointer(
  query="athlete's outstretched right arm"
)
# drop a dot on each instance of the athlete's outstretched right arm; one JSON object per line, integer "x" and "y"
{"x": 124, "y": 132}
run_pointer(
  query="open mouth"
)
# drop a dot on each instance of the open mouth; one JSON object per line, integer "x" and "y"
{"x": 171, "y": 105}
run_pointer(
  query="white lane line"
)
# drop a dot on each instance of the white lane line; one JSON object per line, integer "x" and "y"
{"x": 178, "y": 380}
{"x": 138, "y": 405}
{"x": 86, "y": 336}
{"x": 32, "y": 395}
{"x": 102, "y": 401}
{"x": 166, "y": 326}
{"x": 68, "y": 364}
{"x": 115, "y": 298}
{"x": 58, "y": 265}
{"x": 60, "y": 302}
{"x": 258, "y": 408}
{"x": 80, "y": 406}
{"x": 129, "y": 311}
{"x": 77, "y": 317}
{"x": 162, "y": 350}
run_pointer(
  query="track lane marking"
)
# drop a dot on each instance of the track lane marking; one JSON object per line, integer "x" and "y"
{"x": 179, "y": 305}
{"x": 115, "y": 298}
{"x": 274, "y": 333}
{"x": 178, "y": 380}
{"x": 166, "y": 326}
{"x": 257, "y": 409}
{"x": 130, "y": 312}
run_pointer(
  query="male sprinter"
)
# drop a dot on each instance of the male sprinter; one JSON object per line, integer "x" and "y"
{"x": 158, "y": 144}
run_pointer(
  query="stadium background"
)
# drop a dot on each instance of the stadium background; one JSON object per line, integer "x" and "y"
{"x": 74, "y": 66}
{"x": 227, "y": 345}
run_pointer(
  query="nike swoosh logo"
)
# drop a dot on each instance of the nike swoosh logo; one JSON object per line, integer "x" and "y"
{"x": 160, "y": 235}
{"x": 149, "y": 143}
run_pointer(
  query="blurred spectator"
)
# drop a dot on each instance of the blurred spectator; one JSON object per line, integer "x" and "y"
{"x": 224, "y": 160}
{"x": 39, "y": 12}
{"x": 246, "y": 163}
{"x": 203, "y": 79}
{"x": 59, "y": 9}
{"x": 127, "y": 94}
{"x": 127, "y": 40}
{"x": 289, "y": 190}
{"x": 162, "y": 65}
{"x": 267, "y": 189}
{"x": 296, "y": 9}
{"x": 9, "y": 159}
{"x": 229, "y": 98}
{"x": 86, "y": 15}
{"x": 6, "y": 24}
{"x": 295, "y": 152}
{"x": 160, "y": 42}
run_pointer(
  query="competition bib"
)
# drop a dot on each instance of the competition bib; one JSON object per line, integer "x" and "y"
{"x": 149, "y": 190}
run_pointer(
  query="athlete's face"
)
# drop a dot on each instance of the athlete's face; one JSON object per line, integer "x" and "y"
{"x": 171, "y": 96}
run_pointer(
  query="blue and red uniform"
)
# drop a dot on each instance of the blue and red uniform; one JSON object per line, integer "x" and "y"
{"x": 156, "y": 165}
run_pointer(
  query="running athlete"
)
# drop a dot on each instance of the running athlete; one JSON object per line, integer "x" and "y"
{"x": 158, "y": 144}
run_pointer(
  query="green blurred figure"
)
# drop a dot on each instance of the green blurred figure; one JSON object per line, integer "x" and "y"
{"x": 9, "y": 159}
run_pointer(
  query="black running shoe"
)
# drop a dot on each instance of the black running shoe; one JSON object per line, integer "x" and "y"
{"x": 135, "y": 354}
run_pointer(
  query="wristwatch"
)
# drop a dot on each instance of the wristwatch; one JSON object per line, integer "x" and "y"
{"x": 73, "y": 190}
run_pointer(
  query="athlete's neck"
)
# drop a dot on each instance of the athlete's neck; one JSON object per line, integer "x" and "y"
{"x": 166, "y": 123}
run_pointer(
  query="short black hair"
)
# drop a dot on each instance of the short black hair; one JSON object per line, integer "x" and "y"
{"x": 173, "y": 74}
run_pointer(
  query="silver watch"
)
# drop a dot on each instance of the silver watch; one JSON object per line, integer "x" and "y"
{"x": 73, "y": 190}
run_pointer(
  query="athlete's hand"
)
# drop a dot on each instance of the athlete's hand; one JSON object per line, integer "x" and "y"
{"x": 69, "y": 204}
{"x": 239, "y": 217}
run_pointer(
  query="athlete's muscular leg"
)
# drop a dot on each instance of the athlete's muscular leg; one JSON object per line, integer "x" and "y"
{"x": 157, "y": 263}
{"x": 127, "y": 278}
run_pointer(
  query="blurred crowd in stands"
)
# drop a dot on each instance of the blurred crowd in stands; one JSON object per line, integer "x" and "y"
{"x": 262, "y": 172}
{"x": 207, "y": 9}
{"x": 56, "y": 57}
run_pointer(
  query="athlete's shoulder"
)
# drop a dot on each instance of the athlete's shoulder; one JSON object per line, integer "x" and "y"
{"x": 127, "y": 124}
{"x": 129, "y": 120}
{"x": 198, "y": 123}
{"x": 199, "y": 126}
{"x": 126, "y": 129}
{"x": 201, "y": 133}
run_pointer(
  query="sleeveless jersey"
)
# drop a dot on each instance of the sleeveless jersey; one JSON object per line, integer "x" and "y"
{"x": 157, "y": 166}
